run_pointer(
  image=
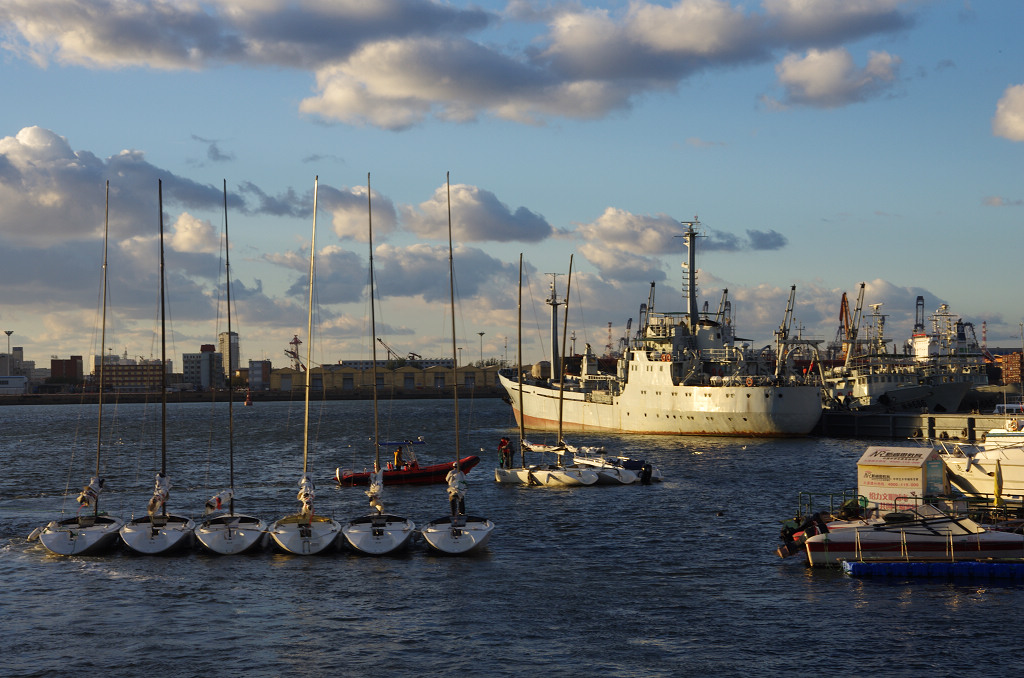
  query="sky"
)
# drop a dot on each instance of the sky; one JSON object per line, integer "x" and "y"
{"x": 820, "y": 143}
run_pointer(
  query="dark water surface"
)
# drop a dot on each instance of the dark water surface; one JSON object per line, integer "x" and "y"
{"x": 607, "y": 581}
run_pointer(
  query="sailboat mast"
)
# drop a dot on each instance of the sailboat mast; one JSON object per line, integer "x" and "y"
{"x": 231, "y": 394}
{"x": 451, "y": 289}
{"x": 519, "y": 368}
{"x": 373, "y": 334}
{"x": 163, "y": 343}
{"x": 309, "y": 334}
{"x": 565, "y": 327}
{"x": 103, "y": 341}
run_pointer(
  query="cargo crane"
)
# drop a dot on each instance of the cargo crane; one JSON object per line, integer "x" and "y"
{"x": 393, "y": 354}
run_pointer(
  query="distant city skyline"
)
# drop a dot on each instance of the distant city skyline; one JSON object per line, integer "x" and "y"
{"x": 821, "y": 143}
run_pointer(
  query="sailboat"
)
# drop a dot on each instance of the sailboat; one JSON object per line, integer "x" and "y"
{"x": 545, "y": 475}
{"x": 92, "y": 532}
{"x": 159, "y": 532}
{"x": 457, "y": 533}
{"x": 378, "y": 533}
{"x": 229, "y": 533}
{"x": 305, "y": 533}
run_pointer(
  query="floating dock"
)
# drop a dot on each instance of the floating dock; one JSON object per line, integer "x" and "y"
{"x": 964, "y": 427}
{"x": 973, "y": 570}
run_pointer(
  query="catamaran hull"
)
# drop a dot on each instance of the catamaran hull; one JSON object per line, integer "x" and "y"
{"x": 379, "y": 534}
{"x": 230, "y": 535}
{"x": 163, "y": 537}
{"x": 73, "y": 537}
{"x": 545, "y": 477}
{"x": 458, "y": 536}
{"x": 747, "y": 411}
{"x": 304, "y": 535}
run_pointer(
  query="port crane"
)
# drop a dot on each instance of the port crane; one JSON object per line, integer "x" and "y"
{"x": 393, "y": 354}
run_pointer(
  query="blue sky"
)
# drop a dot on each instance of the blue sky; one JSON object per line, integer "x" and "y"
{"x": 821, "y": 142}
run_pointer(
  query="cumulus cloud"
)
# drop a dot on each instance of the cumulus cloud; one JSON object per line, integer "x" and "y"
{"x": 189, "y": 234}
{"x": 348, "y": 209}
{"x": 477, "y": 215}
{"x": 1009, "y": 118}
{"x": 626, "y": 246}
{"x": 51, "y": 191}
{"x": 829, "y": 79}
{"x": 188, "y": 35}
{"x": 396, "y": 63}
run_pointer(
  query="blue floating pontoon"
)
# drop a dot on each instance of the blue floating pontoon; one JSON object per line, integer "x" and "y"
{"x": 945, "y": 570}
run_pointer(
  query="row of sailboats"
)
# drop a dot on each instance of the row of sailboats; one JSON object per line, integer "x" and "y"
{"x": 305, "y": 532}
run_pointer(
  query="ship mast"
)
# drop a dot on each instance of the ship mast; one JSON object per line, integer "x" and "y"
{"x": 554, "y": 303}
{"x": 689, "y": 285}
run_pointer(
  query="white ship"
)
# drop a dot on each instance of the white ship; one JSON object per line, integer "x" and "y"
{"x": 683, "y": 374}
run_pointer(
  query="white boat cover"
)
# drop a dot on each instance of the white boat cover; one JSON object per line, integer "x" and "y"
{"x": 160, "y": 493}
{"x": 307, "y": 491}
{"x": 456, "y": 483}
{"x": 218, "y": 501}
{"x": 376, "y": 490}
{"x": 91, "y": 492}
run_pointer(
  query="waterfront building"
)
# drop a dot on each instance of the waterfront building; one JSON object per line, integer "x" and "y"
{"x": 226, "y": 341}
{"x": 203, "y": 370}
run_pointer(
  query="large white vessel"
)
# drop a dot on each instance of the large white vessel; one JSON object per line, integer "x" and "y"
{"x": 683, "y": 374}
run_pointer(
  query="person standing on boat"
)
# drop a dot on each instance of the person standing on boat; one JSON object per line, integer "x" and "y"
{"x": 505, "y": 453}
{"x": 457, "y": 490}
{"x": 398, "y": 457}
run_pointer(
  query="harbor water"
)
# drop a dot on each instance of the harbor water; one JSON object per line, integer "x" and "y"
{"x": 669, "y": 579}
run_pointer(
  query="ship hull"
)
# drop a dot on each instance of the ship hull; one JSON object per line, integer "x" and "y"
{"x": 745, "y": 411}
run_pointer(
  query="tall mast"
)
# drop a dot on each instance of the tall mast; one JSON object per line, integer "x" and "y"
{"x": 231, "y": 394}
{"x": 309, "y": 334}
{"x": 519, "y": 367}
{"x": 373, "y": 336}
{"x": 103, "y": 341}
{"x": 451, "y": 286}
{"x": 565, "y": 326}
{"x": 163, "y": 344}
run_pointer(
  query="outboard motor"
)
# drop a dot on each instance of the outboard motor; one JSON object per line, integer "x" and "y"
{"x": 645, "y": 474}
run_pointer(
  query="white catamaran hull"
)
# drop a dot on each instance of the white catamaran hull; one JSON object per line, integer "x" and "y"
{"x": 84, "y": 536}
{"x": 161, "y": 535}
{"x": 304, "y": 535}
{"x": 230, "y": 535}
{"x": 557, "y": 476}
{"x": 458, "y": 536}
{"x": 674, "y": 410}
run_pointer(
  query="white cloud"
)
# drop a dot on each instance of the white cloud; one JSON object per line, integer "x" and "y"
{"x": 1009, "y": 118}
{"x": 828, "y": 79}
{"x": 396, "y": 63}
{"x": 189, "y": 234}
{"x": 477, "y": 215}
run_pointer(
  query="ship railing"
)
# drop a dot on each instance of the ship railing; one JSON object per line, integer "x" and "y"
{"x": 809, "y": 503}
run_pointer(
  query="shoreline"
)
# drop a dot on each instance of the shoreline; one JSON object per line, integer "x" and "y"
{"x": 239, "y": 397}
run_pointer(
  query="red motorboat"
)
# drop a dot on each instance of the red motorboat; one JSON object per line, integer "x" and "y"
{"x": 402, "y": 472}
